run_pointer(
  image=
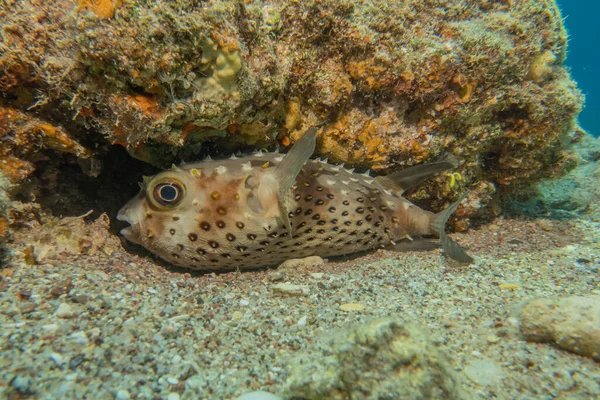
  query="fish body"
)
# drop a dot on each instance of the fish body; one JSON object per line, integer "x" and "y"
{"x": 260, "y": 210}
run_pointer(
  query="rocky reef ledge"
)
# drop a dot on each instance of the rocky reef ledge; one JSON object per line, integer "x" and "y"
{"x": 392, "y": 83}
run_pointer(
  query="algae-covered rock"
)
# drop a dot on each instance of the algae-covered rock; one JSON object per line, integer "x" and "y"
{"x": 381, "y": 359}
{"x": 572, "y": 323}
{"x": 392, "y": 83}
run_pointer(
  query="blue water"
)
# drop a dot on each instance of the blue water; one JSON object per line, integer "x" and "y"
{"x": 581, "y": 20}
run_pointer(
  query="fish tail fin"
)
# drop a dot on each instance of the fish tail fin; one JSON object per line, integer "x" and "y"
{"x": 438, "y": 225}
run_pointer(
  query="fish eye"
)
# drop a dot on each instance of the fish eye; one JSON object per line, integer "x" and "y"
{"x": 168, "y": 193}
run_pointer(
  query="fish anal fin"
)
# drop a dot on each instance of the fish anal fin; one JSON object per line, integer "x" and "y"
{"x": 415, "y": 245}
{"x": 412, "y": 176}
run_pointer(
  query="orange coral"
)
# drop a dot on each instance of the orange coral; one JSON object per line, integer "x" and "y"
{"x": 104, "y": 9}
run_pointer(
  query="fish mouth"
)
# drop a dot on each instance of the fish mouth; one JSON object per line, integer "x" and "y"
{"x": 130, "y": 233}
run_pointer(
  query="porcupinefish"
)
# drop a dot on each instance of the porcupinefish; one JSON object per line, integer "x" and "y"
{"x": 260, "y": 210}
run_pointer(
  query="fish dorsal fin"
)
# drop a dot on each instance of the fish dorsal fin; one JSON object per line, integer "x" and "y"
{"x": 289, "y": 168}
{"x": 412, "y": 176}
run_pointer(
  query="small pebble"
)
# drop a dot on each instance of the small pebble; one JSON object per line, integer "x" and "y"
{"x": 173, "y": 396}
{"x": 317, "y": 275}
{"x": 244, "y": 302}
{"x": 352, "y": 307}
{"x": 509, "y": 286}
{"x": 122, "y": 395}
{"x": 172, "y": 381}
{"x": 493, "y": 339}
{"x": 260, "y": 395}
{"x": 287, "y": 289}
{"x": 64, "y": 311}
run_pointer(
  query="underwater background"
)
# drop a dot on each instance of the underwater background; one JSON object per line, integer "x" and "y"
{"x": 581, "y": 21}
{"x": 96, "y": 96}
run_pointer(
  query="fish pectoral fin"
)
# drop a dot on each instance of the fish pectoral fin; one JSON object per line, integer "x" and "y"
{"x": 289, "y": 168}
{"x": 438, "y": 225}
{"x": 412, "y": 176}
{"x": 415, "y": 245}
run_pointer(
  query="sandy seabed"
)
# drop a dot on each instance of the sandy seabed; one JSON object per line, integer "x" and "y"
{"x": 125, "y": 325}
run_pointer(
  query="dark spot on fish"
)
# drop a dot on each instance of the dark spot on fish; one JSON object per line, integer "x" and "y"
{"x": 319, "y": 202}
{"x": 368, "y": 218}
{"x": 221, "y": 224}
{"x": 328, "y": 238}
{"x": 372, "y": 209}
{"x": 316, "y": 216}
{"x": 376, "y": 236}
{"x": 175, "y": 218}
{"x": 172, "y": 231}
{"x": 301, "y": 225}
{"x": 315, "y": 174}
{"x": 339, "y": 240}
{"x": 193, "y": 237}
{"x": 180, "y": 247}
{"x": 230, "y": 237}
{"x": 384, "y": 208}
{"x": 385, "y": 230}
{"x": 360, "y": 199}
{"x": 321, "y": 222}
{"x": 241, "y": 249}
{"x": 221, "y": 210}
{"x": 310, "y": 239}
{"x": 346, "y": 202}
{"x": 200, "y": 251}
{"x": 347, "y": 223}
{"x": 240, "y": 225}
{"x": 272, "y": 235}
{"x": 376, "y": 191}
{"x": 395, "y": 220}
{"x": 284, "y": 234}
{"x": 359, "y": 223}
{"x": 332, "y": 209}
{"x": 378, "y": 224}
{"x": 264, "y": 243}
{"x": 321, "y": 231}
{"x": 308, "y": 212}
{"x": 353, "y": 233}
{"x": 360, "y": 210}
{"x": 368, "y": 232}
{"x": 214, "y": 260}
{"x": 213, "y": 244}
{"x": 246, "y": 255}
{"x": 335, "y": 229}
{"x": 349, "y": 242}
{"x": 334, "y": 221}
{"x": 306, "y": 184}
{"x": 330, "y": 196}
{"x": 194, "y": 259}
{"x": 298, "y": 211}
{"x": 260, "y": 249}
{"x": 297, "y": 197}
{"x": 278, "y": 243}
{"x": 205, "y": 226}
{"x": 345, "y": 214}
{"x": 251, "y": 236}
{"x": 381, "y": 218}
{"x": 309, "y": 230}
{"x": 373, "y": 199}
{"x": 175, "y": 255}
{"x": 308, "y": 197}
{"x": 226, "y": 255}
{"x": 319, "y": 188}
